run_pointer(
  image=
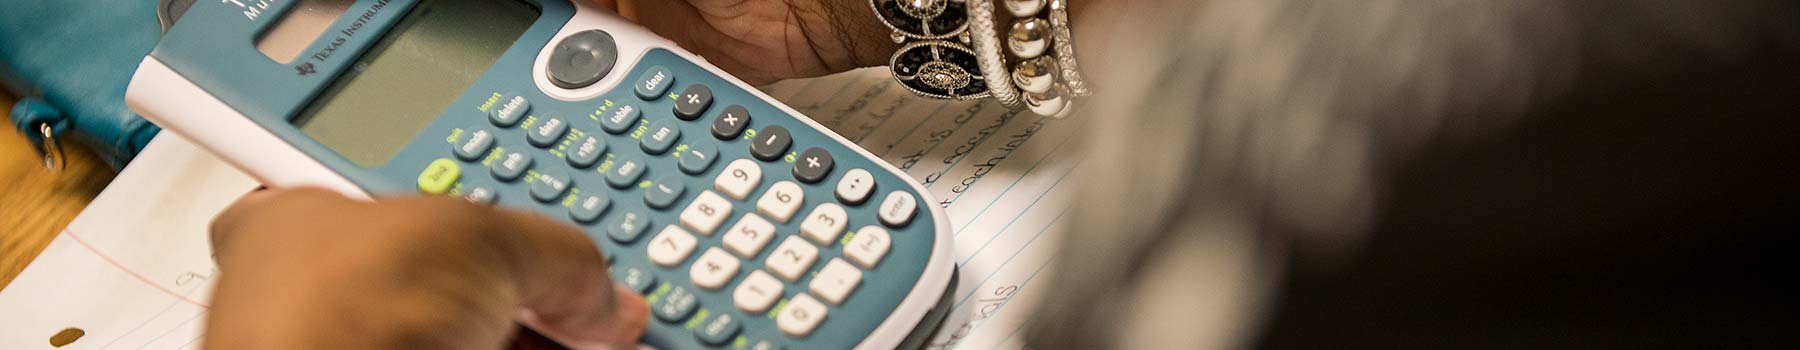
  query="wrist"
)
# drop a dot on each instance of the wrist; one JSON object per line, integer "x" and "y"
{"x": 846, "y": 35}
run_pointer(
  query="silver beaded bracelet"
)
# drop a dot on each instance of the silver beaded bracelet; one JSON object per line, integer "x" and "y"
{"x": 955, "y": 52}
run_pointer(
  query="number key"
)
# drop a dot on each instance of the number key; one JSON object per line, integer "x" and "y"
{"x": 824, "y": 224}
{"x": 792, "y": 258}
{"x": 739, "y": 178}
{"x": 672, "y": 246}
{"x": 706, "y": 213}
{"x": 801, "y": 316}
{"x": 781, "y": 201}
{"x": 714, "y": 269}
{"x": 749, "y": 235}
{"x": 757, "y": 293}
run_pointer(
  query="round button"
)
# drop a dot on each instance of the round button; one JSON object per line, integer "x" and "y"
{"x": 582, "y": 59}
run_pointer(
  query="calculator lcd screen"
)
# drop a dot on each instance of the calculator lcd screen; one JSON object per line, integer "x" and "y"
{"x": 410, "y": 75}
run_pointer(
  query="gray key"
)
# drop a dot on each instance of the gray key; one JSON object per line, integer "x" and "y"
{"x": 509, "y": 111}
{"x": 663, "y": 194}
{"x": 770, "y": 143}
{"x": 636, "y": 278}
{"x": 549, "y": 186}
{"x": 585, "y": 153}
{"x": 812, "y": 165}
{"x": 697, "y": 158}
{"x": 511, "y": 165}
{"x": 547, "y": 131}
{"x": 630, "y": 225}
{"x": 482, "y": 195}
{"x": 661, "y": 135}
{"x": 475, "y": 143}
{"x": 653, "y": 82}
{"x": 675, "y": 306}
{"x": 588, "y": 208}
{"x": 620, "y": 119}
{"x": 581, "y": 59}
{"x": 625, "y": 172}
{"x": 693, "y": 101}
{"x": 730, "y": 123}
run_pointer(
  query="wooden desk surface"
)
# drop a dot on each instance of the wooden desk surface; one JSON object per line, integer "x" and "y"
{"x": 35, "y": 204}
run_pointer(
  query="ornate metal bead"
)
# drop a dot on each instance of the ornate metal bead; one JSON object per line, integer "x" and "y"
{"x": 1035, "y": 75}
{"x": 923, "y": 8}
{"x": 1029, "y": 37}
{"x": 922, "y": 19}
{"x": 1050, "y": 103}
{"x": 1024, "y": 8}
{"x": 939, "y": 69}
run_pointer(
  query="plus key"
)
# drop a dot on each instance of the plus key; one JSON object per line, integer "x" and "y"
{"x": 812, "y": 166}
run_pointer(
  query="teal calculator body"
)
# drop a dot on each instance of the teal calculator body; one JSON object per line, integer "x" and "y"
{"x": 745, "y": 224}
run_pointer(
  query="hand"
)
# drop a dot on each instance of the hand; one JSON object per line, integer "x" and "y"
{"x": 311, "y": 269}
{"x": 762, "y": 41}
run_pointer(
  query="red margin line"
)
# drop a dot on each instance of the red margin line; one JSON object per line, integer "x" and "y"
{"x": 134, "y": 274}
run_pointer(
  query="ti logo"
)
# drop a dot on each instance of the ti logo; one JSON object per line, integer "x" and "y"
{"x": 306, "y": 69}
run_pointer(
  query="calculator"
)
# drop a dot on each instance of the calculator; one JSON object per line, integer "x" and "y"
{"x": 743, "y": 223}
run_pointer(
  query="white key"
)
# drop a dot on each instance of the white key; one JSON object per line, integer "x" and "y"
{"x": 757, "y": 293}
{"x": 825, "y": 223}
{"x": 749, "y": 235}
{"x": 792, "y": 258}
{"x": 868, "y": 247}
{"x": 897, "y": 209}
{"x": 706, "y": 213}
{"x": 739, "y": 179}
{"x": 781, "y": 201}
{"x": 671, "y": 246}
{"x": 714, "y": 269}
{"x": 854, "y": 188}
{"x": 800, "y": 316}
{"x": 835, "y": 281}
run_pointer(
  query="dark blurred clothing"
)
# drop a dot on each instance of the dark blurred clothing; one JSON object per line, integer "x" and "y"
{"x": 1418, "y": 174}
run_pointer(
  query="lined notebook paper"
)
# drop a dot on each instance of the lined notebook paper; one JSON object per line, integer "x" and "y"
{"x": 133, "y": 271}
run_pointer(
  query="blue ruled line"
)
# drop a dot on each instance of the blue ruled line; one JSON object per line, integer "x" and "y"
{"x": 1009, "y": 259}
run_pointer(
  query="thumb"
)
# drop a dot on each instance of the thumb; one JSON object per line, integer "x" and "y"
{"x": 564, "y": 289}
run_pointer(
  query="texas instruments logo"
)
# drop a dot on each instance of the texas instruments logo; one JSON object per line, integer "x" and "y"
{"x": 305, "y": 69}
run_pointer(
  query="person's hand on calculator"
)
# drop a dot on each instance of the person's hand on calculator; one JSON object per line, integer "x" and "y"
{"x": 762, "y": 41}
{"x": 311, "y": 269}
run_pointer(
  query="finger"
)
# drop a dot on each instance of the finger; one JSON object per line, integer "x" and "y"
{"x": 232, "y": 223}
{"x": 527, "y": 339}
{"x": 566, "y": 293}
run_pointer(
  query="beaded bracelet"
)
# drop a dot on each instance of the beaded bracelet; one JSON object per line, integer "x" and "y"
{"x": 956, "y": 52}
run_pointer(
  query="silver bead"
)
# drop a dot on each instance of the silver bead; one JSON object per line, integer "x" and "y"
{"x": 1035, "y": 75}
{"x": 923, "y": 9}
{"x": 1024, "y": 8}
{"x": 1049, "y": 103}
{"x": 1029, "y": 37}
{"x": 1068, "y": 108}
